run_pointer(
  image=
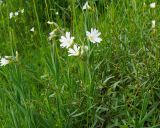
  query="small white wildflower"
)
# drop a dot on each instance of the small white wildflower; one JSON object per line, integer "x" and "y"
{"x": 16, "y": 13}
{"x": 52, "y": 34}
{"x": 4, "y": 61}
{"x": 50, "y": 23}
{"x": 32, "y": 29}
{"x": 153, "y": 5}
{"x": 74, "y": 51}
{"x": 67, "y": 41}
{"x": 11, "y": 14}
{"x": 86, "y": 6}
{"x": 8, "y": 59}
{"x": 153, "y": 23}
{"x": 56, "y": 13}
{"x": 93, "y": 36}
{"x": 22, "y": 11}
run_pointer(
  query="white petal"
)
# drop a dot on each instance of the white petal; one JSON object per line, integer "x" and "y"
{"x": 153, "y": 5}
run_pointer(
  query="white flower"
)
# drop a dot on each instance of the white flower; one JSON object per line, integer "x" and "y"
{"x": 4, "y": 61}
{"x": 32, "y": 29}
{"x": 52, "y": 34}
{"x": 153, "y": 5}
{"x": 67, "y": 41}
{"x": 8, "y": 59}
{"x": 74, "y": 51}
{"x": 22, "y": 11}
{"x": 153, "y": 23}
{"x": 11, "y": 14}
{"x": 86, "y": 6}
{"x": 93, "y": 36}
{"x": 50, "y": 23}
{"x": 16, "y": 13}
{"x": 56, "y": 13}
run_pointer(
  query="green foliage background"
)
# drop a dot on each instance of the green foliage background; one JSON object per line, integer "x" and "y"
{"x": 118, "y": 87}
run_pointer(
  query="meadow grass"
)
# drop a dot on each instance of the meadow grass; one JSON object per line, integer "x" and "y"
{"x": 114, "y": 85}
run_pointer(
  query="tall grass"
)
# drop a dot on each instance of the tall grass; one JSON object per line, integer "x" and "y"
{"x": 116, "y": 85}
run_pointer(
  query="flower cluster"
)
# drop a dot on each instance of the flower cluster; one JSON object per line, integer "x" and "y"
{"x": 14, "y": 14}
{"x": 74, "y": 49}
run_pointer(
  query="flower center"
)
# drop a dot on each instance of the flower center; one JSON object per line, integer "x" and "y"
{"x": 91, "y": 37}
